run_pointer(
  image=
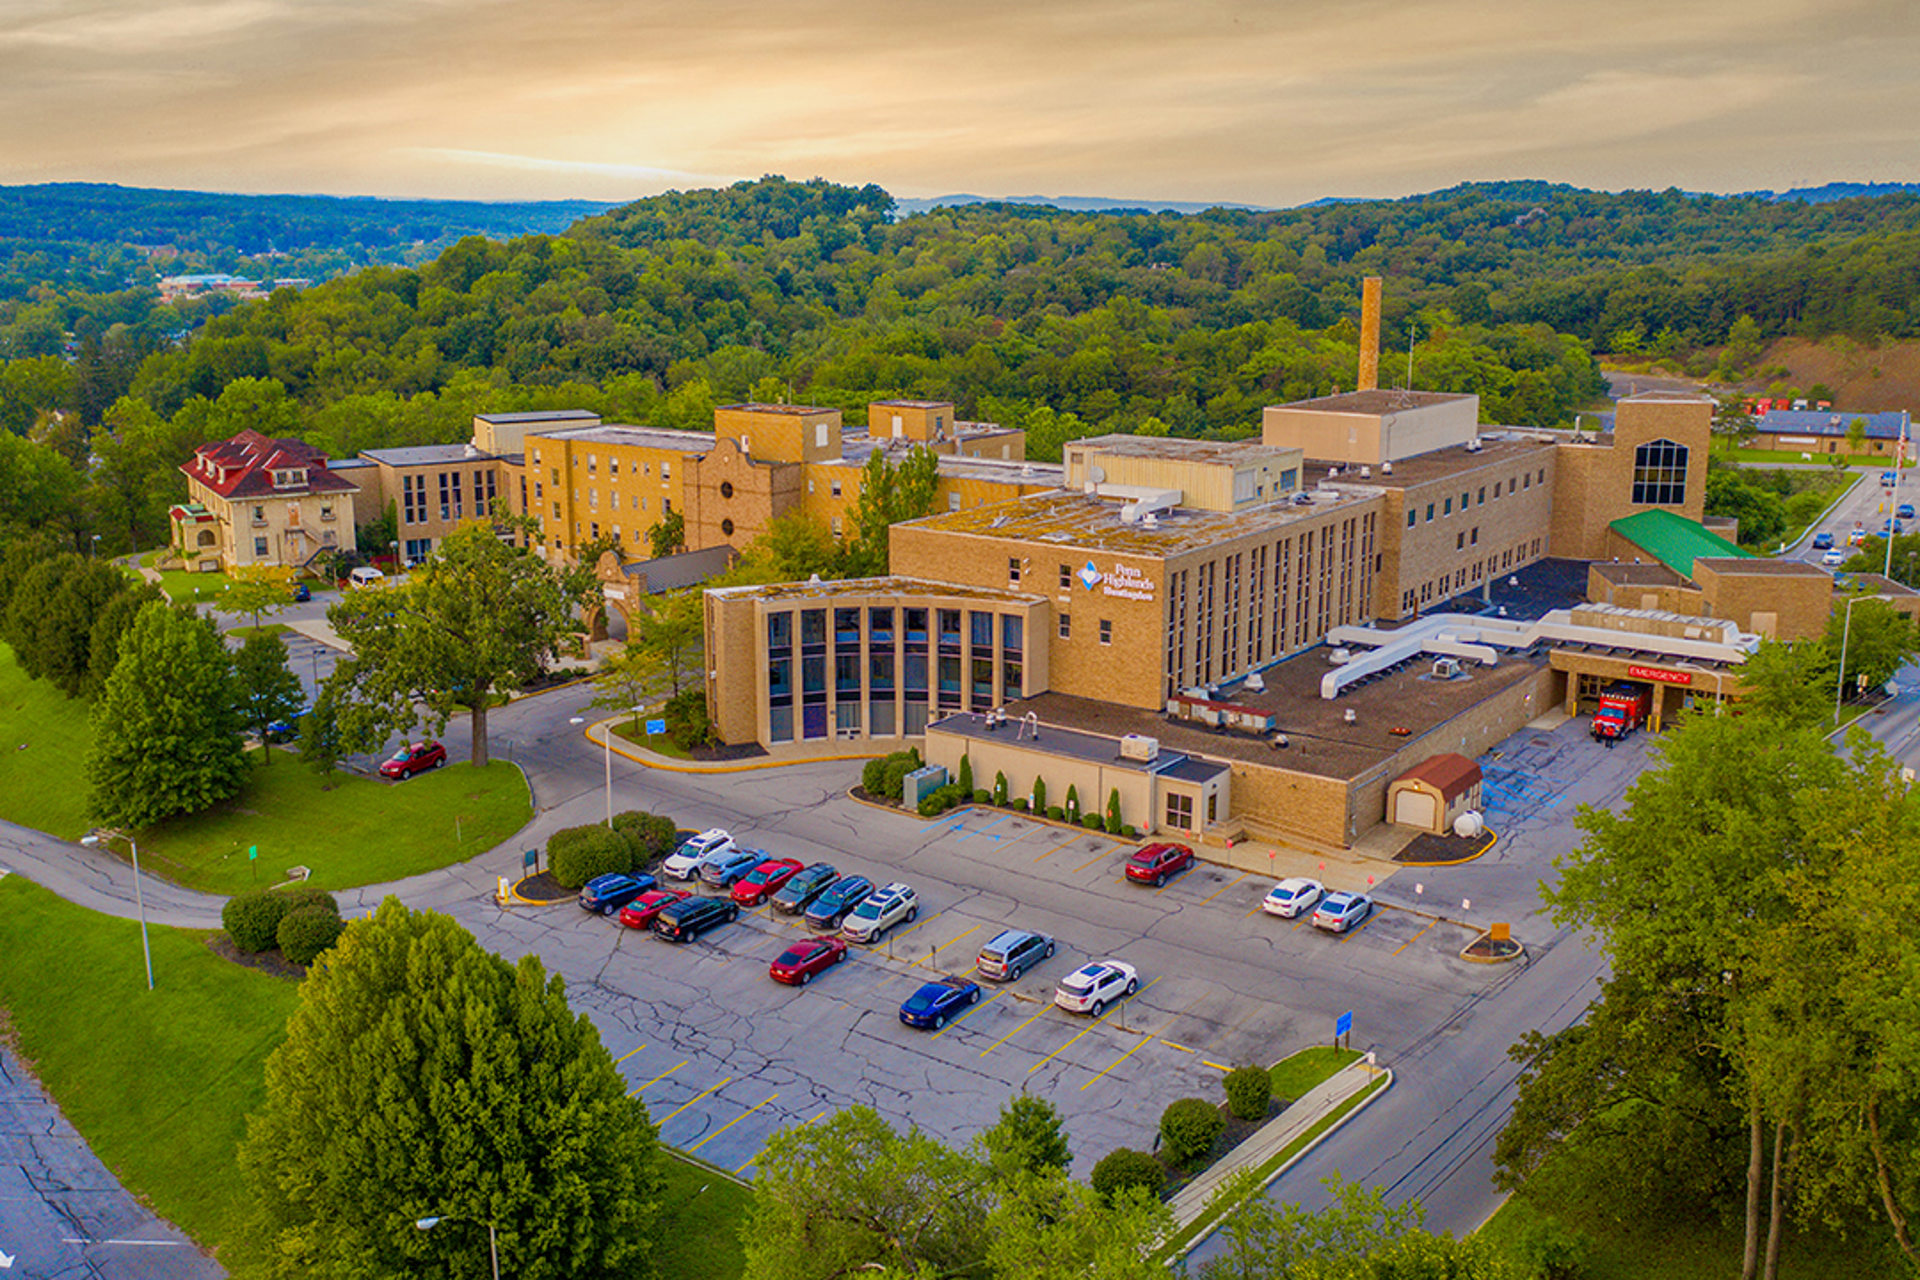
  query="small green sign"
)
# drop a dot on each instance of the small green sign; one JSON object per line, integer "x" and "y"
{"x": 253, "y": 851}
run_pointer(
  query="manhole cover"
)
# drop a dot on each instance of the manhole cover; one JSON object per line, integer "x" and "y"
{"x": 1541, "y": 742}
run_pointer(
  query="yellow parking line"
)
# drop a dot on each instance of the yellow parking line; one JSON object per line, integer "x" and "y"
{"x": 1222, "y": 889}
{"x": 662, "y": 1076}
{"x": 1171, "y": 1045}
{"x": 1100, "y": 857}
{"x": 1144, "y": 1042}
{"x": 623, "y": 1057}
{"x": 1410, "y": 941}
{"x": 1217, "y": 1066}
{"x": 956, "y": 1022}
{"x": 1057, "y": 848}
{"x": 949, "y": 942}
{"x": 729, "y": 1124}
{"x": 695, "y": 1098}
{"x": 1011, "y": 1034}
{"x": 1358, "y": 928}
{"x": 1090, "y": 1026}
{"x": 916, "y": 924}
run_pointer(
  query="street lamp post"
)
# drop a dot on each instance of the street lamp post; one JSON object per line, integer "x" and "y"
{"x": 1846, "y": 633}
{"x": 493, "y": 1239}
{"x": 139, "y": 898}
{"x": 606, "y": 742}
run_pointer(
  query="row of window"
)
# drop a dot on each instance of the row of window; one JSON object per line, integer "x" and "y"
{"x": 1448, "y": 584}
{"x": 293, "y": 513}
{"x": 415, "y": 490}
{"x": 641, "y": 468}
{"x": 879, "y": 620}
{"x": 1526, "y": 480}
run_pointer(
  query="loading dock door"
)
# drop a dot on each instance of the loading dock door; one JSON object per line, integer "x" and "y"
{"x": 1414, "y": 809}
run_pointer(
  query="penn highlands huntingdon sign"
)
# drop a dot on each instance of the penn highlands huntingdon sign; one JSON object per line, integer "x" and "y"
{"x": 1122, "y": 580}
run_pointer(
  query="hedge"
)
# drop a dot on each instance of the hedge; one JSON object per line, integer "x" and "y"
{"x": 1188, "y": 1129}
{"x": 1124, "y": 1167}
{"x": 252, "y": 919}
{"x": 586, "y": 853}
{"x": 1249, "y": 1090}
{"x": 308, "y": 931}
{"x": 651, "y": 835}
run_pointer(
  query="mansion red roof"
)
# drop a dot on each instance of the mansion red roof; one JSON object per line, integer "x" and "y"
{"x": 251, "y": 465}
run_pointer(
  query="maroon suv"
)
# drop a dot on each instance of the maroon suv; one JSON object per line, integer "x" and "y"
{"x": 414, "y": 757}
{"x": 1157, "y": 863}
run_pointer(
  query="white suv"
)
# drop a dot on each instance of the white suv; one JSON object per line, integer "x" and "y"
{"x": 684, "y": 863}
{"x": 869, "y": 921}
{"x": 1095, "y": 985}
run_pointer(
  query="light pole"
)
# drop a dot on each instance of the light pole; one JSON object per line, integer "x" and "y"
{"x": 100, "y": 838}
{"x": 1846, "y": 633}
{"x": 493, "y": 1239}
{"x": 93, "y": 548}
{"x": 1718, "y": 696}
{"x": 606, "y": 742}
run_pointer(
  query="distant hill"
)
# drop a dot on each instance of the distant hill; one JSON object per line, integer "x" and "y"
{"x": 1074, "y": 204}
{"x": 1845, "y": 191}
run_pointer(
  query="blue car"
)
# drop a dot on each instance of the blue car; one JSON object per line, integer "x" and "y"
{"x": 842, "y": 896}
{"x": 607, "y": 894}
{"x": 286, "y": 730}
{"x": 937, "y": 1003}
{"x": 1822, "y": 542}
{"x": 1904, "y": 511}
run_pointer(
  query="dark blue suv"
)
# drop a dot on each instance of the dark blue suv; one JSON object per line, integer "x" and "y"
{"x": 842, "y": 896}
{"x": 607, "y": 894}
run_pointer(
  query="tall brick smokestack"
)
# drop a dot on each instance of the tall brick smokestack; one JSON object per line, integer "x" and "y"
{"x": 1369, "y": 334}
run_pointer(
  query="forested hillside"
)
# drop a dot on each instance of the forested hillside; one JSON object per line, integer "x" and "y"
{"x": 1066, "y": 323}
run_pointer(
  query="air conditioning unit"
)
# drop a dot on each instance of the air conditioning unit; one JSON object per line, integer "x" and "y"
{"x": 1256, "y": 683}
{"x": 1339, "y": 657}
{"x": 1138, "y": 746}
{"x": 1446, "y": 668}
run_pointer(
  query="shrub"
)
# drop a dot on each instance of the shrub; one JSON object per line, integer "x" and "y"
{"x": 1091, "y": 821}
{"x": 1548, "y": 1250}
{"x": 873, "y": 775}
{"x": 1039, "y": 795}
{"x": 1000, "y": 787}
{"x": 566, "y": 837}
{"x": 594, "y": 851}
{"x": 1130, "y": 832}
{"x": 940, "y": 800}
{"x": 983, "y": 796}
{"x": 1189, "y": 1128}
{"x": 308, "y": 931}
{"x": 1113, "y": 812}
{"x": 252, "y": 919}
{"x": 307, "y": 895}
{"x": 649, "y": 834}
{"x": 966, "y": 772}
{"x": 1249, "y": 1090}
{"x": 1020, "y": 804}
{"x": 1124, "y": 1167}
{"x": 1073, "y": 803}
{"x": 1055, "y": 812}
{"x": 688, "y": 723}
{"x": 892, "y": 784}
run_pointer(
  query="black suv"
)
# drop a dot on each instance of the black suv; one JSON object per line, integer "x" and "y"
{"x": 798, "y": 893}
{"x": 1011, "y": 953}
{"x": 842, "y": 896}
{"x": 687, "y": 919}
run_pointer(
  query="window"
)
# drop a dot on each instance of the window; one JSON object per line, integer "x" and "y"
{"x": 259, "y": 546}
{"x": 726, "y": 528}
{"x": 980, "y": 629}
{"x": 835, "y": 522}
{"x": 779, "y": 631}
{"x": 1496, "y": 488}
{"x": 1483, "y": 496}
{"x": 259, "y": 515}
{"x": 1463, "y": 502}
{"x": 418, "y": 549}
{"x": 663, "y": 472}
{"x": 613, "y": 467}
{"x": 1411, "y": 517}
{"x": 593, "y": 464}
{"x": 326, "y": 511}
{"x": 949, "y": 620}
{"x": 1460, "y": 541}
{"x": 1660, "y": 474}
{"x": 880, "y": 626}
{"x": 726, "y": 488}
{"x": 1066, "y": 626}
{"x": 1066, "y": 577}
{"x": 1106, "y": 631}
{"x": 1474, "y": 539}
{"x": 593, "y": 531}
{"x": 1179, "y": 811}
{"x": 1543, "y": 475}
{"x": 1013, "y": 571}
{"x": 953, "y": 502}
{"x": 1448, "y": 509}
{"x": 554, "y": 474}
{"x": 1012, "y": 627}
{"x": 846, "y": 627}
{"x": 1526, "y": 481}
{"x": 539, "y": 491}
{"x": 1429, "y": 513}
{"x": 835, "y": 485}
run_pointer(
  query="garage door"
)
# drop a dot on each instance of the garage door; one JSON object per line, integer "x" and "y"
{"x": 1414, "y": 809}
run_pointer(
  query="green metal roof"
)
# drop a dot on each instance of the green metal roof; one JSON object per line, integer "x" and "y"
{"x": 1674, "y": 541}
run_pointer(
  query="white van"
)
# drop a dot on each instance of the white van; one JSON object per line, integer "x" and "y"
{"x": 365, "y": 576}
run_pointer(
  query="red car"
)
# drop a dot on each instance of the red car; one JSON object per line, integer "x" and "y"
{"x": 799, "y": 962}
{"x": 1156, "y": 863}
{"x": 414, "y": 757}
{"x": 639, "y": 913}
{"x": 764, "y": 881}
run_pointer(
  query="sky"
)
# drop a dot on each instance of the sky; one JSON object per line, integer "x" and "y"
{"x": 1266, "y": 102}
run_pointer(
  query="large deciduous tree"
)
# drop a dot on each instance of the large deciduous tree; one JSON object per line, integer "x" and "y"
{"x": 264, "y": 689}
{"x": 166, "y": 738}
{"x": 257, "y": 590}
{"x": 479, "y": 616}
{"x": 423, "y": 1077}
{"x": 889, "y": 493}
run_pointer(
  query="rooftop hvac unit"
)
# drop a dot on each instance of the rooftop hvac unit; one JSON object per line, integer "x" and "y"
{"x": 1348, "y": 715}
{"x": 1339, "y": 657}
{"x": 1446, "y": 668}
{"x": 1473, "y": 445}
{"x": 1366, "y": 473}
{"x": 1386, "y": 468}
{"x": 1138, "y": 746}
{"x": 1256, "y": 683}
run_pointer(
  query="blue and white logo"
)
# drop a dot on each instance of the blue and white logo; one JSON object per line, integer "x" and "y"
{"x": 1090, "y": 577}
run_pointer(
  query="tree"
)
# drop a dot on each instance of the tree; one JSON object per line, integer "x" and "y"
{"x": 1789, "y": 684}
{"x": 109, "y": 627}
{"x": 626, "y": 679}
{"x": 838, "y": 1197}
{"x": 53, "y": 614}
{"x": 257, "y": 590}
{"x": 265, "y": 690}
{"x": 670, "y": 636}
{"x": 1046, "y": 1225}
{"x": 1878, "y": 641}
{"x": 1029, "y": 1137}
{"x": 322, "y": 739}
{"x": 422, "y": 1076}
{"x": 478, "y": 616}
{"x": 888, "y": 494}
{"x": 166, "y": 739}
{"x": 667, "y": 535}
{"x": 1268, "y": 1241}
{"x": 1856, "y": 435}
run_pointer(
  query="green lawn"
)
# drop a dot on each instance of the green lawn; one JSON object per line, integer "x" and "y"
{"x": 700, "y": 1230}
{"x": 158, "y": 1082}
{"x": 360, "y": 832}
{"x": 658, "y": 743}
{"x": 44, "y": 737}
{"x": 1299, "y": 1072}
{"x": 1792, "y": 457}
{"x": 181, "y": 585}
{"x": 265, "y": 629}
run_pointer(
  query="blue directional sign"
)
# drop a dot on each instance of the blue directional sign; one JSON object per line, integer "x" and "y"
{"x": 1342, "y": 1025}
{"x": 530, "y": 858}
{"x": 656, "y": 727}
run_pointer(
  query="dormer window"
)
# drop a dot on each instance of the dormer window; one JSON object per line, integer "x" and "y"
{"x": 289, "y": 479}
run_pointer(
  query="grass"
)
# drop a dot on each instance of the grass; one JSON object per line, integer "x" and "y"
{"x": 1184, "y": 1239}
{"x": 659, "y": 743}
{"x": 44, "y": 736}
{"x": 158, "y": 1082}
{"x": 700, "y": 1229}
{"x": 1299, "y": 1072}
{"x": 265, "y": 629}
{"x": 1792, "y": 457}
{"x": 360, "y": 832}
{"x": 1669, "y": 1242}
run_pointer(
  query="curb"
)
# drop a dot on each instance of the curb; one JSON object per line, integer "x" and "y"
{"x": 1493, "y": 838}
{"x": 651, "y": 760}
{"x": 513, "y": 891}
{"x": 1520, "y": 949}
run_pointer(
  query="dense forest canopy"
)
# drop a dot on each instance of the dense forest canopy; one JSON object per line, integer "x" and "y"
{"x": 1066, "y": 323}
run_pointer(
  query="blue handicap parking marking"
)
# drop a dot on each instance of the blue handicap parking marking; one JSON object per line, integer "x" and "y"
{"x": 986, "y": 831}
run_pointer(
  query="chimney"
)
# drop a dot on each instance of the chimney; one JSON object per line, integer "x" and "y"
{"x": 1369, "y": 334}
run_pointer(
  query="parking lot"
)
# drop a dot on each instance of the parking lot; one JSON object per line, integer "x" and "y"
{"x": 724, "y": 1056}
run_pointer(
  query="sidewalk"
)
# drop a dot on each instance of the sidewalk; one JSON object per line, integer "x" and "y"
{"x": 783, "y": 754}
{"x": 1319, "y": 1102}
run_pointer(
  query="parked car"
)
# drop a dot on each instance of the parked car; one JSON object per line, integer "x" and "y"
{"x": 798, "y": 893}
{"x": 840, "y": 897}
{"x": 1095, "y": 985}
{"x": 1904, "y": 511}
{"x": 722, "y": 869}
{"x": 414, "y": 757}
{"x": 879, "y": 912}
{"x": 797, "y": 965}
{"x": 1822, "y": 541}
{"x": 302, "y": 593}
{"x": 1292, "y": 896}
{"x": 936, "y": 1003}
{"x": 764, "y": 881}
{"x": 1341, "y": 912}
{"x": 1011, "y": 953}
{"x": 1834, "y": 558}
{"x": 684, "y": 863}
{"x": 1155, "y": 864}
{"x": 639, "y": 913}
{"x": 686, "y": 920}
{"x": 607, "y": 894}
{"x": 289, "y": 729}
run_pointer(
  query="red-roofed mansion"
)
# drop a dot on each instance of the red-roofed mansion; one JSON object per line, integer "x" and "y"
{"x": 256, "y": 501}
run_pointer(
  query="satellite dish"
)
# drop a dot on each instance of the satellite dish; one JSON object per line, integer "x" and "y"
{"x": 1097, "y": 473}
